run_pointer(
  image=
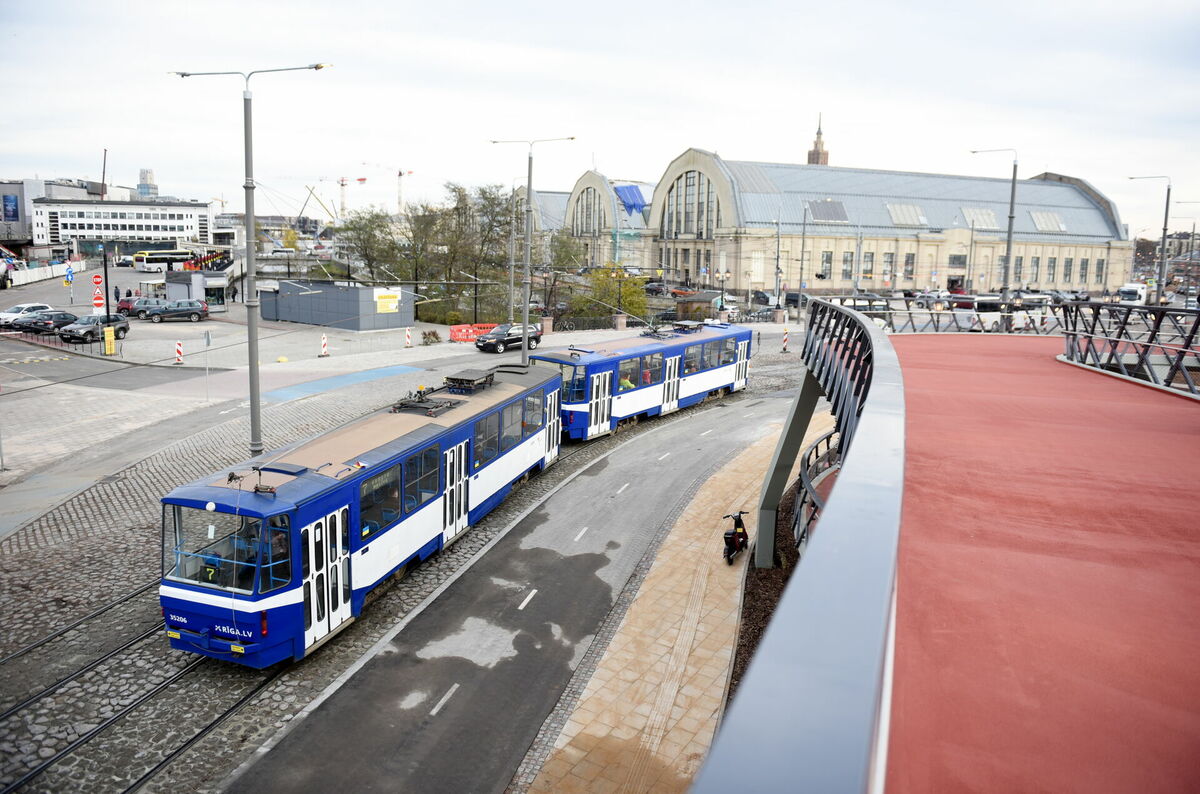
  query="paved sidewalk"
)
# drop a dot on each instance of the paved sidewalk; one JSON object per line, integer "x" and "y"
{"x": 650, "y": 710}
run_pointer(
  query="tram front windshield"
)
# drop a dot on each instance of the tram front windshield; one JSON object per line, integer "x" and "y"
{"x": 574, "y": 380}
{"x": 223, "y": 551}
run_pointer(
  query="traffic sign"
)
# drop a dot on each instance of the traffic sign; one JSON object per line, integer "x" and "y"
{"x": 98, "y": 302}
{"x": 97, "y": 279}
{"x": 98, "y": 292}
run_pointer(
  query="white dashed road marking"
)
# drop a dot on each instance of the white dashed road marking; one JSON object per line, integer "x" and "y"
{"x": 528, "y": 598}
{"x": 580, "y": 535}
{"x": 450, "y": 692}
{"x": 665, "y": 456}
{"x": 622, "y": 488}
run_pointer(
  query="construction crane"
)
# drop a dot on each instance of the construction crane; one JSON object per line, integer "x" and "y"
{"x": 400, "y": 174}
{"x": 222, "y": 201}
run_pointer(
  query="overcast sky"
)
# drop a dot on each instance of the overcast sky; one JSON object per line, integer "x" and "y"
{"x": 1091, "y": 88}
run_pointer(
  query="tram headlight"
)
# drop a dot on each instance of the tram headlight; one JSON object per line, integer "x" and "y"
{"x": 211, "y": 506}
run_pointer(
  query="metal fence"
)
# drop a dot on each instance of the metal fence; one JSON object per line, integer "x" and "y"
{"x": 95, "y": 348}
{"x": 808, "y": 714}
{"x": 1150, "y": 343}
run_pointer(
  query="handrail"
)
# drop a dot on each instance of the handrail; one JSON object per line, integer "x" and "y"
{"x": 807, "y": 714}
{"x": 1162, "y": 342}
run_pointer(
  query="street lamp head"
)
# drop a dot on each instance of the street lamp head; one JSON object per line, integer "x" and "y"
{"x": 318, "y": 66}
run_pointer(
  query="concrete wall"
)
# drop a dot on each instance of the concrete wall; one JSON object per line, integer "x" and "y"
{"x": 351, "y": 308}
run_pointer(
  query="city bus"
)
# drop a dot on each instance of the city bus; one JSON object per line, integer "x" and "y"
{"x": 161, "y": 261}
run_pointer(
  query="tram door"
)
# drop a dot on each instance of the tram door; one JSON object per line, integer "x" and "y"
{"x": 671, "y": 386}
{"x": 553, "y": 427}
{"x": 600, "y": 405}
{"x": 326, "y": 576}
{"x": 455, "y": 496}
{"x": 742, "y": 367}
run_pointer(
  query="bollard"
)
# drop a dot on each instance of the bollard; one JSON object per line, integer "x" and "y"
{"x": 785, "y": 340}
{"x": 179, "y": 352}
{"x": 408, "y": 337}
{"x": 324, "y": 347}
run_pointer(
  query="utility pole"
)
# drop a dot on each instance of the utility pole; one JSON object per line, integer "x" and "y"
{"x": 803, "y": 247}
{"x": 778, "y": 272}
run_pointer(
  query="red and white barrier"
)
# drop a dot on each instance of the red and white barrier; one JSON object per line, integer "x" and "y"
{"x": 785, "y": 340}
{"x": 408, "y": 337}
{"x": 179, "y": 352}
{"x": 324, "y": 347}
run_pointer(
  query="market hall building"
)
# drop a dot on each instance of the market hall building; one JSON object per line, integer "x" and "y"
{"x": 832, "y": 230}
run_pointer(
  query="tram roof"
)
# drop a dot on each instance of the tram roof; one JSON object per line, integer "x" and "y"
{"x": 644, "y": 343}
{"x": 301, "y": 470}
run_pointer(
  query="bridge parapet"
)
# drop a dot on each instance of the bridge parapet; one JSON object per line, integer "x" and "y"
{"x": 811, "y": 712}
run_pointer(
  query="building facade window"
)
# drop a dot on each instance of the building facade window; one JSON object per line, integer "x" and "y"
{"x": 1035, "y": 264}
{"x": 1018, "y": 267}
{"x": 847, "y": 264}
{"x": 1067, "y": 265}
{"x": 910, "y": 266}
{"x": 826, "y": 264}
{"x": 1083, "y": 270}
{"x": 958, "y": 260}
{"x": 691, "y": 207}
{"x": 1099, "y": 271}
{"x": 1051, "y": 266}
{"x": 868, "y": 264}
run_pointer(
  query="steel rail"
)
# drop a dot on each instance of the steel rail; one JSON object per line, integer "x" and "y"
{"x": 85, "y": 618}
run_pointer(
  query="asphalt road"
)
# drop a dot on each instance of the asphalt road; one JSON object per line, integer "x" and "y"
{"x": 453, "y": 702}
{"x": 20, "y": 361}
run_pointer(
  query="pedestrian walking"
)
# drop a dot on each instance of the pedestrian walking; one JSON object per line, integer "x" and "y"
{"x": 116, "y": 294}
{"x": 233, "y": 294}
{"x": 128, "y": 293}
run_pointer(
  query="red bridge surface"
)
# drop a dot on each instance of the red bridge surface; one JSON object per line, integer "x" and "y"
{"x": 1048, "y": 591}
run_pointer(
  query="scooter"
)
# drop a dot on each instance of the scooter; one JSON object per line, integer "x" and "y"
{"x": 736, "y": 539}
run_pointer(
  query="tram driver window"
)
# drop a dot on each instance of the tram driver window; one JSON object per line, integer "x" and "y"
{"x": 487, "y": 439}
{"x": 510, "y": 426}
{"x": 421, "y": 478}
{"x": 380, "y": 501}
{"x": 628, "y": 374}
{"x": 533, "y": 412}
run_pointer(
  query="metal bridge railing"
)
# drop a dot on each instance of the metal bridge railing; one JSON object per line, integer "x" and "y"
{"x": 1151, "y": 343}
{"x": 811, "y": 712}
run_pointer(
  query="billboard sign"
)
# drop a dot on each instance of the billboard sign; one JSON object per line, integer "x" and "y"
{"x": 11, "y": 213}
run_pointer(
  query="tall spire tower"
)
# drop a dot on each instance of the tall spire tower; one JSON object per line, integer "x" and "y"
{"x": 817, "y": 155}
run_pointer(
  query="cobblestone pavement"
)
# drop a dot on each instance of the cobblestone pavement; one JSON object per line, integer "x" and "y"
{"x": 104, "y": 542}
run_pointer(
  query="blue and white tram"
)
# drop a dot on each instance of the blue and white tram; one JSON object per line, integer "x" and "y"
{"x": 655, "y": 373}
{"x": 265, "y": 561}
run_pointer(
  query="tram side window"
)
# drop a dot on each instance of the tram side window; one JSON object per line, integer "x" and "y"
{"x": 487, "y": 438}
{"x": 304, "y": 554}
{"x": 380, "y": 501}
{"x": 510, "y": 426}
{"x": 627, "y": 374}
{"x": 421, "y": 478}
{"x": 729, "y": 351}
{"x": 277, "y": 559}
{"x": 711, "y": 354}
{"x": 533, "y": 412}
{"x": 691, "y": 359}
{"x": 652, "y": 368}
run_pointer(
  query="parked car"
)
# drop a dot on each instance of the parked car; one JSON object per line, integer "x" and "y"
{"x": 193, "y": 310}
{"x": 13, "y": 312}
{"x": 926, "y": 299}
{"x": 794, "y": 300}
{"x": 90, "y": 328}
{"x": 42, "y": 322}
{"x": 1191, "y": 303}
{"x": 667, "y": 316}
{"x": 140, "y": 307}
{"x": 656, "y": 288}
{"x": 502, "y": 337}
{"x": 763, "y": 298}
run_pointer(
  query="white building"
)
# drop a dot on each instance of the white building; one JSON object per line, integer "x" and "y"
{"x": 80, "y": 225}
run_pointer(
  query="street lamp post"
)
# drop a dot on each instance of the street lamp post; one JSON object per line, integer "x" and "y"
{"x": 1162, "y": 258}
{"x": 525, "y": 278}
{"x": 778, "y": 272}
{"x": 250, "y": 291}
{"x": 1012, "y": 213}
{"x": 722, "y": 277}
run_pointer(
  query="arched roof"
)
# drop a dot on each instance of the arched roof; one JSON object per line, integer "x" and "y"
{"x": 1050, "y": 207}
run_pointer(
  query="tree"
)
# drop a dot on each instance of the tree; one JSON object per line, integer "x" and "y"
{"x": 610, "y": 288}
{"x": 291, "y": 240}
{"x": 371, "y": 238}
